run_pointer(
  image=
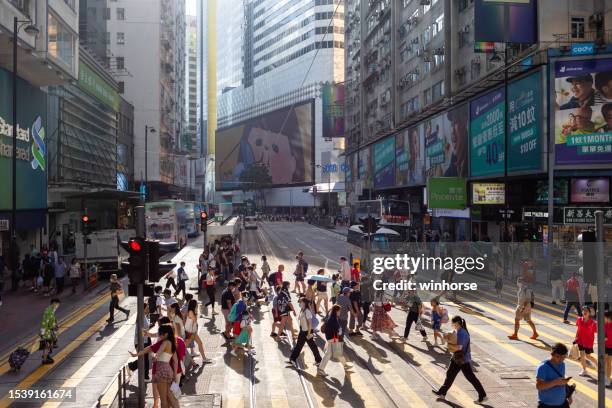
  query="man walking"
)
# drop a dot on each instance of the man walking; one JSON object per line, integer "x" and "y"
{"x": 115, "y": 291}
{"x": 551, "y": 382}
{"x": 60, "y": 274}
{"x": 345, "y": 272}
{"x": 523, "y": 310}
{"x": 572, "y": 297}
{"x": 227, "y": 301}
{"x": 182, "y": 280}
{"x": 48, "y": 328}
{"x": 367, "y": 297}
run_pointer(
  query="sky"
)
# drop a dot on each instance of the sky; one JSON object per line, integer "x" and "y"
{"x": 191, "y": 7}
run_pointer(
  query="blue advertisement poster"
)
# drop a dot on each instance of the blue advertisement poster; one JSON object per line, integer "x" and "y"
{"x": 583, "y": 112}
{"x": 384, "y": 163}
{"x": 487, "y": 134}
{"x": 524, "y": 124}
{"x": 364, "y": 167}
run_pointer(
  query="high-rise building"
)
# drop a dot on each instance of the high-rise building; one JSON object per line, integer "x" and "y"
{"x": 191, "y": 94}
{"x": 152, "y": 78}
{"x": 273, "y": 57}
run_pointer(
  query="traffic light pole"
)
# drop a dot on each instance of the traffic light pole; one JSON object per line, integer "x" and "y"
{"x": 601, "y": 334}
{"x": 86, "y": 271}
{"x": 140, "y": 231}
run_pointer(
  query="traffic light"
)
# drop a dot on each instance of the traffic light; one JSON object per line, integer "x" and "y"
{"x": 589, "y": 257}
{"x": 203, "y": 221}
{"x": 135, "y": 267}
{"x": 156, "y": 250}
{"x": 370, "y": 224}
{"x": 85, "y": 224}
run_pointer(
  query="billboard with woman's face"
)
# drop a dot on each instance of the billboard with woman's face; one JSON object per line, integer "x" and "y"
{"x": 410, "y": 157}
{"x": 281, "y": 140}
{"x": 446, "y": 143}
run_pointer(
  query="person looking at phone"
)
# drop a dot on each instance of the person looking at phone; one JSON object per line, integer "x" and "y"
{"x": 551, "y": 383}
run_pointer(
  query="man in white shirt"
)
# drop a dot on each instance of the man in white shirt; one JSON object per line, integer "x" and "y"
{"x": 345, "y": 272}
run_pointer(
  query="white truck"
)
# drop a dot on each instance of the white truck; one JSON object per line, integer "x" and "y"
{"x": 103, "y": 248}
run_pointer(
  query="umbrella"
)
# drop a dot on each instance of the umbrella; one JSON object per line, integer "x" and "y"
{"x": 320, "y": 278}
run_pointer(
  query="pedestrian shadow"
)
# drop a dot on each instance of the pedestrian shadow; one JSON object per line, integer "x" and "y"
{"x": 393, "y": 347}
{"x": 107, "y": 331}
{"x": 189, "y": 384}
{"x": 376, "y": 352}
{"x": 211, "y": 326}
{"x": 332, "y": 387}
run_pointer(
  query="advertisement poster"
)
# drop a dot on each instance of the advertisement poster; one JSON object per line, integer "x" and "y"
{"x": 384, "y": 163}
{"x": 288, "y": 156}
{"x": 365, "y": 167}
{"x": 409, "y": 157}
{"x": 510, "y": 21}
{"x": 446, "y": 192}
{"x": 446, "y": 144}
{"x": 488, "y": 193}
{"x": 590, "y": 190}
{"x": 583, "y": 112}
{"x": 31, "y": 145}
{"x": 487, "y": 134}
{"x": 560, "y": 189}
{"x": 332, "y": 96}
{"x": 524, "y": 124}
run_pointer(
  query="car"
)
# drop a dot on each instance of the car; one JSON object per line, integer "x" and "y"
{"x": 250, "y": 222}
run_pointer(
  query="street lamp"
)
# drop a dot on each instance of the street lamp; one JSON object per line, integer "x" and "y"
{"x": 147, "y": 130}
{"x": 31, "y": 30}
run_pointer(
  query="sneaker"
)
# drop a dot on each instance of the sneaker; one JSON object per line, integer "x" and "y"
{"x": 566, "y": 322}
{"x": 535, "y": 336}
{"x": 206, "y": 361}
{"x": 439, "y": 394}
{"x": 513, "y": 337}
{"x": 553, "y": 302}
{"x": 482, "y": 399}
{"x": 273, "y": 334}
{"x": 583, "y": 373}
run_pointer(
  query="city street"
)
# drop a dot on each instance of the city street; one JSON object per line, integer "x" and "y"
{"x": 384, "y": 373}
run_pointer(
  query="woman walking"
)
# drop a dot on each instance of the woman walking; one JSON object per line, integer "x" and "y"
{"x": 305, "y": 335}
{"x": 211, "y": 280}
{"x": 381, "y": 321}
{"x": 166, "y": 362}
{"x": 335, "y": 341}
{"x": 115, "y": 291}
{"x": 585, "y": 339}
{"x": 191, "y": 329}
{"x": 322, "y": 294}
{"x": 461, "y": 361}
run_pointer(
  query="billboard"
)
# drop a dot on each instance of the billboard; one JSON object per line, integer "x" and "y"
{"x": 524, "y": 124}
{"x": 287, "y": 154}
{"x": 590, "y": 190}
{"x": 31, "y": 163}
{"x": 487, "y": 134}
{"x": 446, "y": 192}
{"x": 409, "y": 157}
{"x": 446, "y": 143}
{"x": 506, "y": 21}
{"x": 384, "y": 163}
{"x": 364, "y": 167}
{"x": 488, "y": 193}
{"x": 332, "y": 96}
{"x": 583, "y": 112}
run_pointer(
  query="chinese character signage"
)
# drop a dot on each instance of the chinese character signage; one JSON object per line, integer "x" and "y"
{"x": 583, "y": 112}
{"x": 409, "y": 157}
{"x": 384, "y": 163}
{"x": 524, "y": 124}
{"x": 487, "y": 134}
{"x": 31, "y": 172}
{"x": 488, "y": 193}
{"x": 585, "y": 215}
{"x": 94, "y": 84}
{"x": 446, "y": 192}
{"x": 446, "y": 143}
{"x": 590, "y": 190}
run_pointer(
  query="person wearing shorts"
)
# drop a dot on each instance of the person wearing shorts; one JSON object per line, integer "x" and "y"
{"x": 585, "y": 339}
{"x": 523, "y": 311}
{"x": 608, "y": 331}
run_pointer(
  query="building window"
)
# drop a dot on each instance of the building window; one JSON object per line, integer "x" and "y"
{"x": 61, "y": 41}
{"x": 438, "y": 26}
{"x": 120, "y": 38}
{"x": 121, "y": 87}
{"x": 120, "y": 13}
{"x": 70, "y": 3}
{"x": 108, "y": 37}
{"x": 120, "y": 63}
{"x": 577, "y": 26}
{"x": 437, "y": 91}
{"x": 107, "y": 13}
{"x": 427, "y": 97}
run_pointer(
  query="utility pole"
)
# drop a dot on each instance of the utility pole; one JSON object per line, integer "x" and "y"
{"x": 601, "y": 293}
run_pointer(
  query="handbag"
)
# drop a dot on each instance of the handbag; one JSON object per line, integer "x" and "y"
{"x": 459, "y": 355}
{"x": 176, "y": 390}
{"x": 419, "y": 325}
{"x": 569, "y": 389}
{"x": 574, "y": 352}
{"x": 387, "y": 307}
{"x": 337, "y": 348}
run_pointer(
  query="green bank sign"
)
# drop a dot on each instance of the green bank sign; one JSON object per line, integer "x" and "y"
{"x": 31, "y": 155}
{"x": 95, "y": 85}
{"x": 447, "y": 193}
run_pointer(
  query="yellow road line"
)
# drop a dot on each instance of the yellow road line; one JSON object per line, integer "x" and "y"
{"x": 35, "y": 376}
{"x": 68, "y": 321}
{"x": 79, "y": 375}
{"x": 586, "y": 390}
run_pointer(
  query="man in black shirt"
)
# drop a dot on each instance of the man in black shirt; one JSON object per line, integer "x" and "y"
{"x": 227, "y": 301}
{"x": 115, "y": 290}
{"x": 356, "y": 317}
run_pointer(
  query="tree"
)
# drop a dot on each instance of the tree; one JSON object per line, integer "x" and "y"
{"x": 256, "y": 178}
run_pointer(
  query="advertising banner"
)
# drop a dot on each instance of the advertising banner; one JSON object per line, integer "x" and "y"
{"x": 31, "y": 145}
{"x": 288, "y": 156}
{"x": 332, "y": 96}
{"x": 585, "y": 215}
{"x": 384, "y": 163}
{"x": 365, "y": 167}
{"x": 583, "y": 112}
{"x": 524, "y": 124}
{"x": 509, "y": 21}
{"x": 446, "y": 192}
{"x": 446, "y": 144}
{"x": 487, "y": 134}
{"x": 409, "y": 157}
{"x": 488, "y": 193}
{"x": 94, "y": 84}
{"x": 560, "y": 189}
{"x": 590, "y": 190}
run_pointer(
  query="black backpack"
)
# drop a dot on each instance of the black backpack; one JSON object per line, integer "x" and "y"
{"x": 152, "y": 302}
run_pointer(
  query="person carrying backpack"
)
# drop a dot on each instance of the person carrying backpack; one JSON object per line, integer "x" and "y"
{"x": 523, "y": 310}
{"x": 572, "y": 297}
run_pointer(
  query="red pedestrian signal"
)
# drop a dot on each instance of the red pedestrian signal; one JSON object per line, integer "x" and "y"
{"x": 135, "y": 245}
{"x": 85, "y": 219}
{"x": 136, "y": 265}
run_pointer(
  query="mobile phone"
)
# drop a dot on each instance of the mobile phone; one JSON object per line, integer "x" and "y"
{"x": 568, "y": 378}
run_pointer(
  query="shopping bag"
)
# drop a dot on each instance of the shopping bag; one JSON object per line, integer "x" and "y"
{"x": 574, "y": 353}
{"x": 337, "y": 349}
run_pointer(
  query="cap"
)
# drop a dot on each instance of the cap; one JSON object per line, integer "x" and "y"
{"x": 346, "y": 289}
{"x": 581, "y": 78}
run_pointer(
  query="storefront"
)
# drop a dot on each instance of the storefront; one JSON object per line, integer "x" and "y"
{"x": 31, "y": 175}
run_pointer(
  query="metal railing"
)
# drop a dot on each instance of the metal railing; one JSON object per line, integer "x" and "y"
{"x": 120, "y": 381}
{"x": 603, "y": 36}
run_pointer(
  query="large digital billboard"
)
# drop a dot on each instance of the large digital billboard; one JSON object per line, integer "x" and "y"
{"x": 364, "y": 167}
{"x": 409, "y": 157}
{"x": 583, "y": 112}
{"x": 281, "y": 140}
{"x": 446, "y": 144}
{"x": 487, "y": 134}
{"x": 384, "y": 163}
{"x": 509, "y": 21}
